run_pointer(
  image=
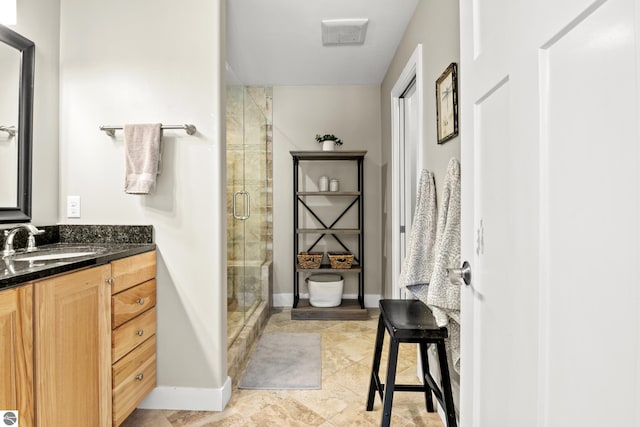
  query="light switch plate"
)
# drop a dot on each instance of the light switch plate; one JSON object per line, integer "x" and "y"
{"x": 73, "y": 206}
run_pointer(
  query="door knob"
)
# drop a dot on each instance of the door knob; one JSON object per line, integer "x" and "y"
{"x": 457, "y": 274}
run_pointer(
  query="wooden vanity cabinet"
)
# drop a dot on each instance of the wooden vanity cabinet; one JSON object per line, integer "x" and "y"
{"x": 73, "y": 349}
{"x": 16, "y": 352}
{"x": 95, "y": 343}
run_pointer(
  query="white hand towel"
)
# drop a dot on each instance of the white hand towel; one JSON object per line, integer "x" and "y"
{"x": 142, "y": 157}
{"x": 417, "y": 265}
{"x": 444, "y": 297}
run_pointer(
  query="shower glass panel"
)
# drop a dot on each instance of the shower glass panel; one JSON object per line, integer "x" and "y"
{"x": 247, "y": 126}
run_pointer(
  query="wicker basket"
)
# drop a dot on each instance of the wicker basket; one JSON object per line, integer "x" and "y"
{"x": 310, "y": 259}
{"x": 340, "y": 259}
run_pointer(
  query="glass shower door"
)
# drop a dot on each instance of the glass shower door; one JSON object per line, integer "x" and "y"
{"x": 246, "y": 196}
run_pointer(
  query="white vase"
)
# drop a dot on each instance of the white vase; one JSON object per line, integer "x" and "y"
{"x": 328, "y": 145}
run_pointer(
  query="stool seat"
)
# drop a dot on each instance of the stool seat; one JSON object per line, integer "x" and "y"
{"x": 410, "y": 321}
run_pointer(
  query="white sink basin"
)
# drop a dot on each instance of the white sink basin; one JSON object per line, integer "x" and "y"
{"x": 35, "y": 256}
{"x": 56, "y": 254}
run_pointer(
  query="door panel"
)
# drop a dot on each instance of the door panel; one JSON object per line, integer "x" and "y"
{"x": 494, "y": 288}
{"x": 16, "y": 352}
{"x": 490, "y": 28}
{"x": 551, "y": 211}
{"x": 590, "y": 217}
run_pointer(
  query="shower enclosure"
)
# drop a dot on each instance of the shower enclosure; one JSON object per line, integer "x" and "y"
{"x": 248, "y": 201}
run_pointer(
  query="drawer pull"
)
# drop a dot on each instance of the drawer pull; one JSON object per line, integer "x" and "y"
{"x": 139, "y": 377}
{"x": 139, "y": 332}
{"x": 140, "y": 301}
{"x": 110, "y": 281}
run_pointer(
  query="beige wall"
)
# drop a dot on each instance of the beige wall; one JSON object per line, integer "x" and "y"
{"x": 120, "y": 66}
{"x": 300, "y": 112}
{"x": 435, "y": 24}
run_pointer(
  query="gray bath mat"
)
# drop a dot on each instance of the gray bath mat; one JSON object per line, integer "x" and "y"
{"x": 285, "y": 362}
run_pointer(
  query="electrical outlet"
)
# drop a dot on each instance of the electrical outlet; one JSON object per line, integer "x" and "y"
{"x": 73, "y": 206}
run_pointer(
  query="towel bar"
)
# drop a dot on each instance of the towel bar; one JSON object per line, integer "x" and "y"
{"x": 111, "y": 130}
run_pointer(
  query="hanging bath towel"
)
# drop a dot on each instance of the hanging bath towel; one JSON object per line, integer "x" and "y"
{"x": 417, "y": 265}
{"x": 444, "y": 297}
{"x": 142, "y": 157}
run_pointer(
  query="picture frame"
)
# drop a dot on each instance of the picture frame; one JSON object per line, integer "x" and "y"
{"x": 447, "y": 104}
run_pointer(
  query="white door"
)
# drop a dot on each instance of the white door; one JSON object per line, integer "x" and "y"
{"x": 407, "y": 129}
{"x": 409, "y": 143}
{"x": 551, "y": 210}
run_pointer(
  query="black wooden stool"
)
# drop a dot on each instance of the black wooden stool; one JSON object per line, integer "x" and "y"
{"x": 410, "y": 321}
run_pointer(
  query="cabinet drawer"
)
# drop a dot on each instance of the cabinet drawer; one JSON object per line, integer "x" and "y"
{"x": 131, "y": 334}
{"x": 133, "y": 270}
{"x": 134, "y": 376}
{"x": 130, "y": 303}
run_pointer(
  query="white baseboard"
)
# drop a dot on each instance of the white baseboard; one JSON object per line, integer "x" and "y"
{"x": 188, "y": 398}
{"x": 286, "y": 300}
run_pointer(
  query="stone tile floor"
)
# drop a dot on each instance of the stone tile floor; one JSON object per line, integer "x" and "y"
{"x": 347, "y": 353}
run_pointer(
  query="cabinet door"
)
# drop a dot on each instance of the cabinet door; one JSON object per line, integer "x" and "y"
{"x": 16, "y": 352}
{"x": 73, "y": 347}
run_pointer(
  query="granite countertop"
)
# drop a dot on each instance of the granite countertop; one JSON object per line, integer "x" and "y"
{"x": 14, "y": 272}
{"x": 109, "y": 242}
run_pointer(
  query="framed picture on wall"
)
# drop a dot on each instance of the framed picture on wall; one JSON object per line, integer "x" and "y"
{"x": 447, "y": 104}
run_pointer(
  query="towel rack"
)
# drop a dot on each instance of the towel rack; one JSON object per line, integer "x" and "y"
{"x": 111, "y": 130}
{"x": 11, "y": 130}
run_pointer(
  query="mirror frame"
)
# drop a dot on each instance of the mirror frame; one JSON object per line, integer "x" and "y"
{"x": 22, "y": 212}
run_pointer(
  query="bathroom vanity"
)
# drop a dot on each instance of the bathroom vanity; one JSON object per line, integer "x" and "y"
{"x": 78, "y": 335}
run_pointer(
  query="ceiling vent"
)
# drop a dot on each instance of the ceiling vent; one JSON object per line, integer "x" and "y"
{"x": 343, "y": 31}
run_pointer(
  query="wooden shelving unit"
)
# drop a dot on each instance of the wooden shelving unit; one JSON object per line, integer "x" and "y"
{"x": 350, "y": 309}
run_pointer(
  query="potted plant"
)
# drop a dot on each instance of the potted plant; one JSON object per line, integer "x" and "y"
{"x": 328, "y": 141}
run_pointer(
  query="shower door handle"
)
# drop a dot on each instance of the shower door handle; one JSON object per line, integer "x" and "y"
{"x": 247, "y": 204}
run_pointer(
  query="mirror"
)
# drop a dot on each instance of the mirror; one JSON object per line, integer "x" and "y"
{"x": 16, "y": 111}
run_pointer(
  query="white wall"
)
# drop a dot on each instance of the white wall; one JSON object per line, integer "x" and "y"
{"x": 300, "y": 112}
{"x": 38, "y": 21}
{"x": 155, "y": 61}
{"x": 435, "y": 24}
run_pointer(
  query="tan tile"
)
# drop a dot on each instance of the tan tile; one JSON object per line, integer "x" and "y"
{"x": 232, "y": 420}
{"x": 356, "y": 416}
{"x": 328, "y": 402}
{"x": 289, "y": 413}
{"x": 188, "y": 418}
{"x": 147, "y": 418}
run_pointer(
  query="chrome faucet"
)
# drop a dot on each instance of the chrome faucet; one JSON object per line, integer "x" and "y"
{"x": 31, "y": 241}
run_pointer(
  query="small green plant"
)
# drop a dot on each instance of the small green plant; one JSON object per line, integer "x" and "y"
{"x": 328, "y": 137}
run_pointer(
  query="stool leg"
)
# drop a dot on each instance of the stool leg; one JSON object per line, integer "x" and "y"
{"x": 374, "y": 384}
{"x": 391, "y": 381}
{"x": 425, "y": 368}
{"x": 446, "y": 385}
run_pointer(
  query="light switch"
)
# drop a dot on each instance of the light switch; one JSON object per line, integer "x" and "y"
{"x": 73, "y": 206}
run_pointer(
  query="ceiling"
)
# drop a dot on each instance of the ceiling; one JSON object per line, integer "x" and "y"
{"x": 278, "y": 42}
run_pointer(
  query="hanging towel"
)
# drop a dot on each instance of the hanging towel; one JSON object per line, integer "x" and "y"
{"x": 444, "y": 297}
{"x": 417, "y": 265}
{"x": 142, "y": 157}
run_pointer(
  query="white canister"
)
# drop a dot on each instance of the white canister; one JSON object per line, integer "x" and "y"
{"x": 323, "y": 183}
{"x": 334, "y": 185}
